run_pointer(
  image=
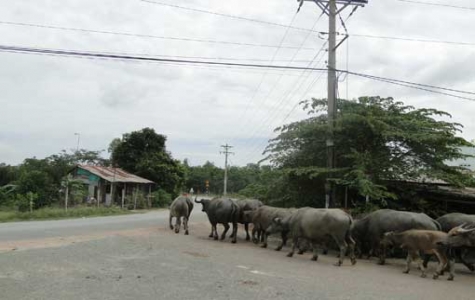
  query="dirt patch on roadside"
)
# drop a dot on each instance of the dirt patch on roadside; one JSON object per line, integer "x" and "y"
{"x": 64, "y": 241}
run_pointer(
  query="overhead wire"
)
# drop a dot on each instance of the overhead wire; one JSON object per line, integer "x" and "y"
{"x": 271, "y": 116}
{"x": 139, "y": 35}
{"x": 280, "y": 76}
{"x": 437, "y": 4}
{"x": 310, "y": 87}
{"x": 261, "y": 81}
{"x": 71, "y": 53}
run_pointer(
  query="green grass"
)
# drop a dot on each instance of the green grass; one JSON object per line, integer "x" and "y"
{"x": 60, "y": 213}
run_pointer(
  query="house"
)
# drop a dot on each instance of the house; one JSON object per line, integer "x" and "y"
{"x": 111, "y": 185}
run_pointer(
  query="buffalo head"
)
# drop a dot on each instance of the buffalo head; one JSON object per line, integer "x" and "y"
{"x": 277, "y": 225}
{"x": 204, "y": 203}
{"x": 389, "y": 239}
{"x": 463, "y": 235}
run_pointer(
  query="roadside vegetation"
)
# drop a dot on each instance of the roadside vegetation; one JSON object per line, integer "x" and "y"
{"x": 49, "y": 213}
{"x": 379, "y": 143}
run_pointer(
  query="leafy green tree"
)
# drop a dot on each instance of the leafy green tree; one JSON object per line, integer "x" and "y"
{"x": 198, "y": 175}
{"x": 8, "y": 174}
{"x": 376, "y": 140}
{"x": 144, "y": 153}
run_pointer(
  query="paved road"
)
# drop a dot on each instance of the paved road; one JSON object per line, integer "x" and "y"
{"x": 138, "y": 257}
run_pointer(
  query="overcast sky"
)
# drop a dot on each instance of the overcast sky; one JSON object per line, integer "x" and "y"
{"x": 46, "y": 99}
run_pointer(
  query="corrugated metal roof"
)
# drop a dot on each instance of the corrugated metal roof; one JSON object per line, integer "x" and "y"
{"x": 114, "y": 174}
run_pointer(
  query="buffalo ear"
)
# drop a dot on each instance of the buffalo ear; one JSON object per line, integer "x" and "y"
{"x": 278, "y": 221}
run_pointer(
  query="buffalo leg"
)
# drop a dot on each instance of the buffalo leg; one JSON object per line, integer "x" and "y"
{"x": 408, "y": 262}
{"x": 451, "y": 267}
{"x": 442, "y": 263}
{"x": 170, "y": 222}
{"x": 351, "y": 246}
{"x": 177, "y": 224}
{"x": 255, "y": 232}
{"x": 215, "y": 231}
{"x": 343, "y": 246}
{"x": 282, "y": 242}
{"x": 302, "y": 246}
{"x": 185, "y": 225}
{"x": 421, "y": 266}
{"x": 382, "y": 255}
{"x": 246, "y": 228}
{"x": 315, "y": 251}
{"x": 225, "y": 231}
{"x": 212, "y": 231}
{"x": 461, "y": 256}
{"x": 265, "y": 235}
{"x": 294, "y": 246}
{"x": 235, "y": 228}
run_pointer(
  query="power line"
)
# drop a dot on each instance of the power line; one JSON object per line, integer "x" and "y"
{"x": 225, "y": 15}
{"x": 437, "y": 4}
{"x": 256, "y": 91}
{"x": 317, "y": 31}
{"x": 418, "y": 40}
{"x": 139, "y": 35}
{"x": 282, "y": 74}
{"x": 70, "y": 53}
{"x": 409, "y": 83}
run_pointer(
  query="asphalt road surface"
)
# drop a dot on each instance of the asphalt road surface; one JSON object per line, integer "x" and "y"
{"x": 138, "y": 257}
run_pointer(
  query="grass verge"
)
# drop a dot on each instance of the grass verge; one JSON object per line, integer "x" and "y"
{"x": 60, "y": 213}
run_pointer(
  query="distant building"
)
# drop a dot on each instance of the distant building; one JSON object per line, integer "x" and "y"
{"x": 109, "y": 185}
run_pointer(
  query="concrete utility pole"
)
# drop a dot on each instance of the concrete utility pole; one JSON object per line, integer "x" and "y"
{"x": 331, "y": 96}
{"x": 330, "y": 8}
{"x": 226, "y": 153}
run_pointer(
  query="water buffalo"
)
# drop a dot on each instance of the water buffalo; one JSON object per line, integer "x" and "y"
{"x": 316, "y": 225}
{"x": 246, "y": 205}
{"x": 462, "y": 236}
{"x": 181, "y": 207}
{"x": 368, "y": 231}
{"x": 262, "y": 219}
{"x": 450, "y": 221}
{"x": 426, "y": 241}
{"x": 221, "y": 211}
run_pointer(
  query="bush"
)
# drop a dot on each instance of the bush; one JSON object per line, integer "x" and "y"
{"x": 161, "y": 198}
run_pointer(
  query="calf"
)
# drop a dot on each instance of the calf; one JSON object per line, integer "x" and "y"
{"x": 426, "y": 241}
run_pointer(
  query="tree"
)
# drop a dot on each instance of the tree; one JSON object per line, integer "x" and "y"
{"x": 144, "y": 153}
{"x": 376, "y": 140}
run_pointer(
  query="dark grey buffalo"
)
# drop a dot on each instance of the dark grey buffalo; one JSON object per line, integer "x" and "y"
{"x": 316, "y": 225}
{"x": 262, "y": 218}
{"x": 181, "y": 207}
{"x": 221, "y": 211}
{"x": 369, "y": 231}
{"x": 449, "y": 222}
{"x": 462, "y": 236}
{"x": 247, "y": 205}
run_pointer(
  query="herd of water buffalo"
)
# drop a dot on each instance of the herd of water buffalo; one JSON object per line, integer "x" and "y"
{"x": 448, "y": 238}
